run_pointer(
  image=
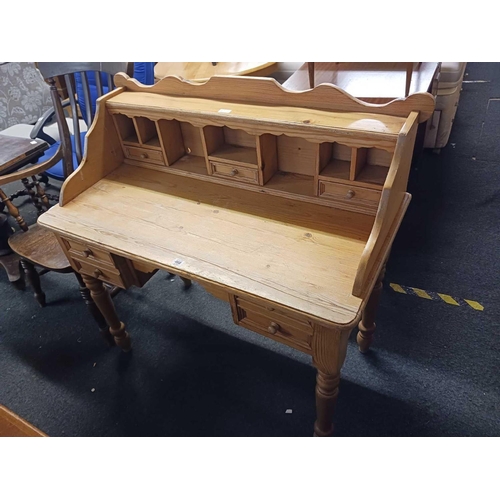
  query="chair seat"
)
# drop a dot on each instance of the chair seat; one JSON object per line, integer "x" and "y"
{"x": 39, "y": 246}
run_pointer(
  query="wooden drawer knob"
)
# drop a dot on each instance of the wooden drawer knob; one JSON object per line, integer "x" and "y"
{"x": 234, "y": 172}
{"x": 350, "y": 194}
{"x": 273, "y": 328}
{"x": 87, "y": 252}
{"x": 97, "y": 273}
{"x": 144, "y": 156}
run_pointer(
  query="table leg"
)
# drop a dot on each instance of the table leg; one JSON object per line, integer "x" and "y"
{"x": 329, "y": 351}
{"x": 310, "y": 71}
{"x": 103, "y": 301}
{"x": 409, "y": 73}
{"x": 187, "y": 282}
{"x": 367, "y": 324}
{"x": 94, "y": 311}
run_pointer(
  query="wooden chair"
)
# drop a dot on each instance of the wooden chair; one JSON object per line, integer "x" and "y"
{"x": 35, "y": 245}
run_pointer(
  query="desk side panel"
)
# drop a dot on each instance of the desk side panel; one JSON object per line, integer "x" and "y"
{"x": 393, "y": 204}
{"x": 103, "y": 153}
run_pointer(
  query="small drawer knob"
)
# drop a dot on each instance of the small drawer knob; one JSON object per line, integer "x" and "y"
{"x": 273, "y": 328}
{"x": 144, "y": 156}
{"x": 234, "y": 172}
{"x": 87, "y": 252}
{"x": 97, "y": 273}
{"x": 350, "y": 194}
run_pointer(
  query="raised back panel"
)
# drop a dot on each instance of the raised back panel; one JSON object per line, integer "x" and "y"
{"x": 267, "y": 91}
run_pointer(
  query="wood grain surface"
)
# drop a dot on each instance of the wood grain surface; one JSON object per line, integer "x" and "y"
{"x": 308, "y": 254}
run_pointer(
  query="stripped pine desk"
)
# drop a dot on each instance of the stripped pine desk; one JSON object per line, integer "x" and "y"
{"x": 283, "y": 204}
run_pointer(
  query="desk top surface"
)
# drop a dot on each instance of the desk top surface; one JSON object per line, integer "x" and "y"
{"x": 297, "y": 254}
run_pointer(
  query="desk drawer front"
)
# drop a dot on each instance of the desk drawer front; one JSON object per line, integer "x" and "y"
{"x": 274, "y": 322}
{"x": 243, "y": 174}
{"x": 109, "y": 275}
{"x": 101, "y": 264}
{"x": 141, "y": 154}
{"x": 88, "y": 253}
{"x": 349, "y": 194}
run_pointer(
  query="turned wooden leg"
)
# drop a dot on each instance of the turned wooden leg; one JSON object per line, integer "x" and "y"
{"x": 33, "y": 197}
{"x": 33, "y": 280}
{"x": 13, "y": 211}
{"x": 94, "y": 311}
{"x": 102, "y": 299}
{"x": 329, "y": 350}
{"x": 367, "y": 324}
{"x": 40, "y": 192}
{"x": 187, "y": 282}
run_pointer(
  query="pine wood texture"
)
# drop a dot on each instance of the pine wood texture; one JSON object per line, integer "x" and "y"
{"x": 242, "y": 224}
{"x": 393, "y": 204}
{"x": 202, "y": 71}
{"x": 282, "y": 203}
{"x": 102, "y": 158}
{"x": 267, "y": 91}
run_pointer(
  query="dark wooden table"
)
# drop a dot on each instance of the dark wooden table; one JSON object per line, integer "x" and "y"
{"x": 15, "y": 153}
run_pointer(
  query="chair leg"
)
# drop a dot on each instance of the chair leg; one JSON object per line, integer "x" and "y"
{"x": 94, "y": 311}
{"x": 34, "y": 281}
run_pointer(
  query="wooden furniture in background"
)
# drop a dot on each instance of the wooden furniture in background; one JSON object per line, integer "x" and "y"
{"x": 283, "y": 204}
{"x": 202, "y": 71}
{"x": 11, "y": 425}
{"x": 35, "y": 245}
{"x": 15, "y": 153}
{"x": 374, "y": 82}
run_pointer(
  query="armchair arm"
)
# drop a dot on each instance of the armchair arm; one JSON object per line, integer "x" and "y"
{"x": 37, "y": 131}
{"x": 33, "y": 169}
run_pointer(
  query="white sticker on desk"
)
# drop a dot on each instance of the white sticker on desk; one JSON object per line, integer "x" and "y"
{"x": 225, "y": 111}
{"x": 178, "y": 262}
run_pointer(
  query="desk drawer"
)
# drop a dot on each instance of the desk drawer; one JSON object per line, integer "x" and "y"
{"x": 143, "y": 154}
{"x": 349, "y": 194}
{"x": 88, "y": 253}
{"x": 274, "y": 322}
{"x": 101, "y": 264}
{"x": 243, "y": 174}
{"x": 103, "y": 273}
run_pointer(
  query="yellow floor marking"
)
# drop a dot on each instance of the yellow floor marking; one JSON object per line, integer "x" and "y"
{"x": 448, "y": 299}
{"x": 475, "y": 305}
{"x": 422, "y": 293}
{"x": 410, "y": 290}
{"x": 397, "y": 288}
